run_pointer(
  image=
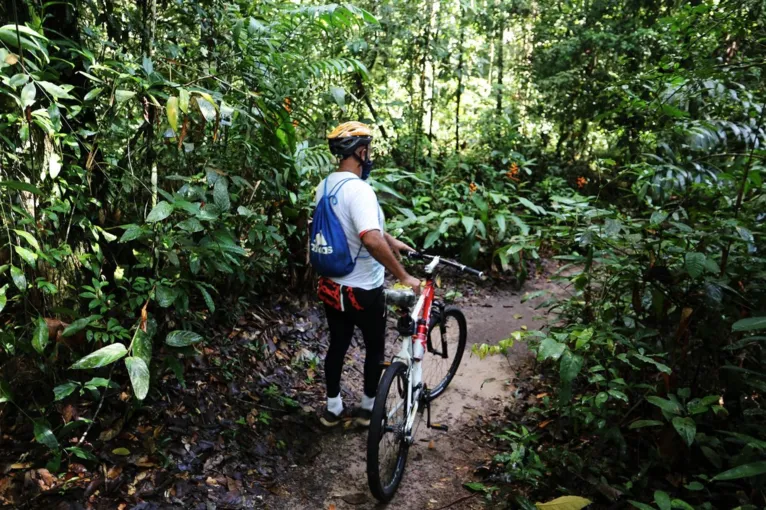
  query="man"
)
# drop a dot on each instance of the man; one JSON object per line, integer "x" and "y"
{"x": 357, "y": 299}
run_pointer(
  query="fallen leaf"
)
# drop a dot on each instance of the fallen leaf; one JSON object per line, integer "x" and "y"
{"x": 114, "y": 472}
{"x": 544, "y": 424}
{"x": 46, "y": 480}
{"x": 121, "y": 451}
{"x": 145, "y": 462}
{"x": 541, "y": 395}
{"x": 211, "y": 481}
{"x": 69, "y": 413}
{"x": 21, "y": 465}
{"x": 431, "y": 445}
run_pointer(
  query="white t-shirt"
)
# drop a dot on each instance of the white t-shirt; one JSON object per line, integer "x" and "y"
{"x": 358, "y": 212}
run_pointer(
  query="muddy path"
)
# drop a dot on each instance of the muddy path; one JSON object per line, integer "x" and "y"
{"x": 334, "y": 475}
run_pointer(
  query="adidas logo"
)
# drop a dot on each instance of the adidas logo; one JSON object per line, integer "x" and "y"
{"x": 319, "y": 245}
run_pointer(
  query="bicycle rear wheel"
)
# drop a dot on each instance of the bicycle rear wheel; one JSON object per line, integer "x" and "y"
{"x": 444, "y": 351}
{"x": 386, "y": 446}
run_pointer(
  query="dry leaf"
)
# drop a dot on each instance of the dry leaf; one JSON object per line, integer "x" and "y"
{"x": 21, "y": 465}
{"x": 431, "y": 445}
{"x": 11, "y": 59}
{"x": 114, "y": 472}
{"x": 544, "y": 424}
{"x": 541, "y": 395}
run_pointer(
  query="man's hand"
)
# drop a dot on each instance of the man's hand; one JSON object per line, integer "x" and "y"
{"x": 397, "y": 246}
{"x": 411, "y": 281}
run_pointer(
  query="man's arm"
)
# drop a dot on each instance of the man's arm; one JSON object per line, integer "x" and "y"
{"x": 397, "y": 246}
{"x": 378, "y": 246}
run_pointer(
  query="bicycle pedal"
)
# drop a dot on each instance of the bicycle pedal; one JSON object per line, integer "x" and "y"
{"x": 438, "y": 426}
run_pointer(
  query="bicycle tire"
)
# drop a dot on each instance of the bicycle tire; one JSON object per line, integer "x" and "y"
{"x": 384, "y": 490}
{"x": 457, "y": 314}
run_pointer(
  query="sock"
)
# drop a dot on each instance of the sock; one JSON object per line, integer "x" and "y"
{"x": 335, "y": 405}
{"x": 367, "y": 402}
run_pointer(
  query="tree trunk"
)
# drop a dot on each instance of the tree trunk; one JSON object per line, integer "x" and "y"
{"x": 459, "y": 91}
{"x": 500, "y": 69}
{"x": 422, "y": 107}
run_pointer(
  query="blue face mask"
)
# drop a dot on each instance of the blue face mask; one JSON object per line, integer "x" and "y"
{"x": 366, "y": 168}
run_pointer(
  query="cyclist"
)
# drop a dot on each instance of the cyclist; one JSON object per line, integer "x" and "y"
{"x": 357, "y": 299}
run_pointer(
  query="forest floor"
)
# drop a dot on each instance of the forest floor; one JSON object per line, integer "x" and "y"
{"x": 242, "y": 430}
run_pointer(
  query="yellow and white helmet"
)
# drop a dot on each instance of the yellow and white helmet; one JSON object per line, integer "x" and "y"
{"x": 347, "y": 137}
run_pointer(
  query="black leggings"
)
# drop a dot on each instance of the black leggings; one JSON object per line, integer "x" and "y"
{"x": 365, "y": 309}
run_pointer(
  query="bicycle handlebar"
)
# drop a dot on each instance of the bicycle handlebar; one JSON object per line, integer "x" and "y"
{"x": 456, "y": 265}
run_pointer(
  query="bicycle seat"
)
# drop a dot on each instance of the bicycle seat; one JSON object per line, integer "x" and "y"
{"x": 403, "y": 298}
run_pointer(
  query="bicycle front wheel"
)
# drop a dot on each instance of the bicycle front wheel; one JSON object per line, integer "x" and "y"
{"x": 387, "y": 447}
{"x": 444, "y": 351}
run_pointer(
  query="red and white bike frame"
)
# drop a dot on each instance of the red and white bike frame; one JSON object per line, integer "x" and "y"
{"x": 412, "y": 352}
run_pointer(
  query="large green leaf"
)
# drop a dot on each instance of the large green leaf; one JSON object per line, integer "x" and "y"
{"x": 102, "y": 357}
{"x": 139, "y": 376}
{"x": 666, "y": 405}
{"x": 221, "y": 194}
{"x": 570, "y": 366}
{"x": 57, "y": 91}
{"x": 468, "y": 222}
{"x": 743, "y": 471}
{"x": 662, "y": 499}
{"x": 172, "y": 111}
{"x": 17, "y": 275}
{"x": 64, "y": 390}
{"x": 182, "y": 338}
{"x": 550, "y": 349}
{"x": 79, "y": 325}
{"x": 142, "y": 346}
{"x": 750, "y": 324}
{"x": 28, "y": 94}
{"x": 29, "y": 238}
{"x": 661, "y": 367}
{"x": 160, "y": 211}
{"x": 28, "y": 256}
{"x": 3, "y": 297}
{"x": 44, "y": 435}
{"x": 695, "y": 264}
{"x": 6, "y": 395}
{"x": 639, "y": 424}
{"x": 686, "y": 428}
{"x": 431, "y": 239}
{"x": 165, "y": 296}
{"x": 21, "y": 186}
{"x": 40, "y": 335}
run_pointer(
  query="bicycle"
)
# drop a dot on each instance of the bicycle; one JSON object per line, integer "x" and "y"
{"x": 405, "y": 388}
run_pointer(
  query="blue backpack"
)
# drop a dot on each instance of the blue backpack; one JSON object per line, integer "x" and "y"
{"x": 330, "y": 254}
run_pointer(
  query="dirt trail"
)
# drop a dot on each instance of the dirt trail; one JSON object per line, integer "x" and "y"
{"x": 439, "y": 463}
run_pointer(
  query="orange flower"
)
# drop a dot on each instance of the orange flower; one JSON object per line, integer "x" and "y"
{"x": 295, "y": 123}
{"x": 513, "y": 172}
{"x": 581, "y": 182}
{"x": 473, "y": 187}
{"x": 286, "y": 105}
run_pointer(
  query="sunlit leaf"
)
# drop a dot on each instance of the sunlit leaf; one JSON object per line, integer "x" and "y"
{"x": 40, "y": 335}
{"x": 565, "y": 503}
{"x": 139, "y": 376}
{"x": 102, "y": 357}
{"x": 182, "y": 338}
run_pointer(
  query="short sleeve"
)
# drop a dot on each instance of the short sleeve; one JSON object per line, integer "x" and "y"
{"x": 363, "y": 208}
